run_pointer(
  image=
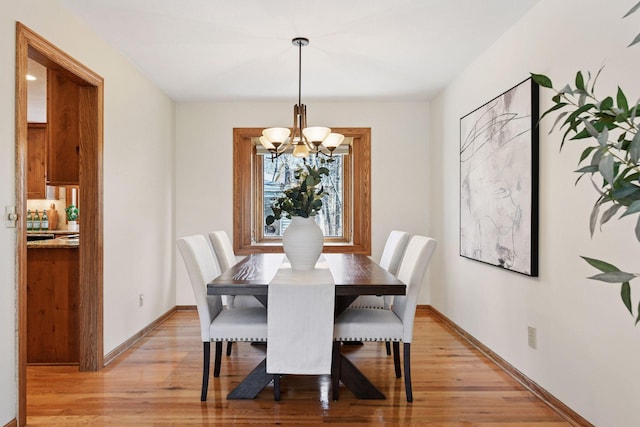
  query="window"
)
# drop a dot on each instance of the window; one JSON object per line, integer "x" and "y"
{"x": 278, "y": 174}
{"x": 346, "y": 214}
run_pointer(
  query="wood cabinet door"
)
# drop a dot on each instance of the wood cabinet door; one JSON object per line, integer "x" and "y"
{"x": 52, "y": 305}
{"x": 36, "y": 161}
{"x": 63, "y": 119}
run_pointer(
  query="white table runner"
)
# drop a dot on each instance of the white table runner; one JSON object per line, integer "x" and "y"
{"x": 300, "y": 320}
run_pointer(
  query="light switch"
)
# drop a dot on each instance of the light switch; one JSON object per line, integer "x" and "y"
{"x": 10, "y": 216}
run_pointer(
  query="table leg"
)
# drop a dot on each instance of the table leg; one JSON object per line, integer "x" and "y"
{"x": 253, "y": 383}
{"x": 352, "y": 378}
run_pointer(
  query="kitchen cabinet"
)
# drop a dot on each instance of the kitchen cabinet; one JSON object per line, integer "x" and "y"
{"x": 63, "y": 120}
{"x": 36, "y": 160}
{"x": 52, "y": 305}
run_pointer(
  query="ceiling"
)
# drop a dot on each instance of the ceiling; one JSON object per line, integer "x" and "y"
{"x": 242, "y": 50}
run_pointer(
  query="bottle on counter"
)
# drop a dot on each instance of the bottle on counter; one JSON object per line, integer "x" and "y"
{"x": 44, "y": 222}
{"x": 29, "y": 220}
{"x": 36, "y": 222}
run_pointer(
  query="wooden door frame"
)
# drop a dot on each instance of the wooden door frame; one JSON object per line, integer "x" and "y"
{"x": 91, "y": 355}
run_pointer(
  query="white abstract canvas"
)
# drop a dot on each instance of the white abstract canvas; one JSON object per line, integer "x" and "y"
{"x": 499, "y": 181}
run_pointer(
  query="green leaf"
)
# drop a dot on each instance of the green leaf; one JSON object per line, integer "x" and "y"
{"x": 632, "y": 10}
{"x": 634, "y": 41}
{"x": 606, "y": 103}
{"x": 542, "y": 80}
{"x": 270, "y": 219}
{"x": 555, "y": 123}
{"x": 600, "y": 265}
{"x": 590, "y": 128}
{"x": 625, "y": 294}
{"x": 625, "y": 191}
{"x": 597, "y": 156}
{"x": 587, "y": 169}
{"x": 622, "y": 100}
{"x": 606, "y": 168}
{"x": 579, "y": 80}
{"x": 586, "y": 153}
{"x": 633, "y": 208}
{"x": 593, "y": 219}
{"x": 593, "y": 86}
{"x": 609, "y": 213}
{"x": 638, "y": 229}
{"x": 638, "y": 318}
{"x": 554, "y": 108}
{"x": 603, "y": 137}
{"x": 577, "y": 112}
{"x": 613, "y": 277}
{"x": 583, "y": 134}
{"x": 634, "y": 148}
{"x": 621, "y": 117}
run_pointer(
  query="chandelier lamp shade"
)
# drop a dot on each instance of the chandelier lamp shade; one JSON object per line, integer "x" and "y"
{"x": 304, "y": 140}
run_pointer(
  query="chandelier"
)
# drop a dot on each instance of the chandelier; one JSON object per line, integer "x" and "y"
{"x": 305, "y": 140}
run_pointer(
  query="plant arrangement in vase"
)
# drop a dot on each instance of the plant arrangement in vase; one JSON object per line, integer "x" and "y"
{"x": 303, "y": 239}
{"x": 304, "y": 199}
{"x": 611, "y": 127}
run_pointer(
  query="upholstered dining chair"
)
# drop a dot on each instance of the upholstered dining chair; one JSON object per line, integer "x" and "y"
{"x": 390, "y": 260}
{"x": 395, "y": 325}
{"x": 217, "y": 324}
{"x": 223, "y": 250}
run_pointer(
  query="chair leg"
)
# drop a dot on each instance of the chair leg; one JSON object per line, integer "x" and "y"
{"x": 396, "y": 358}
{"x": 216, "y": 361}
{"x": 229, "y": 343}
{"x": 276, "y": 387}
{"x": 387, "y": 344}
{"x": 205, "y": 371}
{"x": 407, "y": 371}
{"x": 335, "y": 370}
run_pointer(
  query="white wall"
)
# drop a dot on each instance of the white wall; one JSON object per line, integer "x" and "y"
{"x": 204, "y": 134}
{"x": 588, "y": 348}
{"x": 138, "y": 183}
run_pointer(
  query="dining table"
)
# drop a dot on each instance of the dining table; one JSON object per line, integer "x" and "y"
{"x": 353, "y": 275}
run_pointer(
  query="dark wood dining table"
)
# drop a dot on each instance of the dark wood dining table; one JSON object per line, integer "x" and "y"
{"x": 353, "y": 275}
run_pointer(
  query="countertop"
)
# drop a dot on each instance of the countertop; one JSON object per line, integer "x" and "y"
{"x": 52, "y": 232}
{"x": 54, "y": 244}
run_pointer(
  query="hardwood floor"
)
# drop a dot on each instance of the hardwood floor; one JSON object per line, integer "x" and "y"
{"x": 157, "y": 382}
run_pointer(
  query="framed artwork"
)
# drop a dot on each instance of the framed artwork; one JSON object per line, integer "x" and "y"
{"x": 499, "y": 181}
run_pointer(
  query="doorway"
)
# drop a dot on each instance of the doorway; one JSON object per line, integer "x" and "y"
{"x": 90, "y": 102}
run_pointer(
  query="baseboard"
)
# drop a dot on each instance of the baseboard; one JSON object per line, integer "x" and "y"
{"x": 12, "y": 423}
{"x": 113, "y": 354}
{"x": 560, "y": 408}
{"x": 186, "y": 307}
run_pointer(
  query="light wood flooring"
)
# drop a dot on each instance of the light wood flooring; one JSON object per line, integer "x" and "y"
{"x": 157, "y": 382}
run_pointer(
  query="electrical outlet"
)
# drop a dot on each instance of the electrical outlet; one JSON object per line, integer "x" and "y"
{"x": 140, "y": 300}
{"x": 532, "y": 334}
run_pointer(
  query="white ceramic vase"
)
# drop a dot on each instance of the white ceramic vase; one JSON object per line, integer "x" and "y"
{"x": 302, "y": 242}
{"x": 73, "y": 226}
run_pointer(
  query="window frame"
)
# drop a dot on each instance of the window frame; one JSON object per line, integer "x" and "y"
{"x": 247, "y": 195}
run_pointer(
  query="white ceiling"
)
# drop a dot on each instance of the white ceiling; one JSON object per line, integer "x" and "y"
{"x": 241, "y": 49}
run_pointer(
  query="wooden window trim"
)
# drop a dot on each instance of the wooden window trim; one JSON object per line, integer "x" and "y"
{"x": 243, "y": 192}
